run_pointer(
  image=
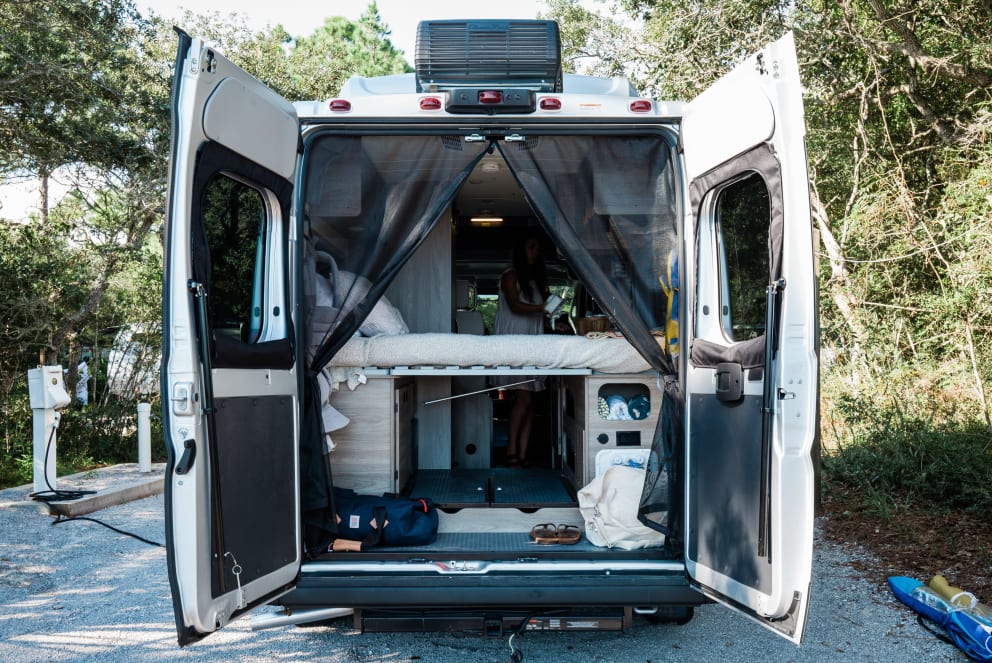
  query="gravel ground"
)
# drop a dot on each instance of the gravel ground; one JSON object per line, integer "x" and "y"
{"x": 80, "y": 592}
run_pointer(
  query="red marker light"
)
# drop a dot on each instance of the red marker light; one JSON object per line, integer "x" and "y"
{"x": 490, "y": 97}
{"x": 340, "y": 105}
{"x": 550, "y": 103}
{"x": 430, "y": 103}
{"x": 640, "y": 106}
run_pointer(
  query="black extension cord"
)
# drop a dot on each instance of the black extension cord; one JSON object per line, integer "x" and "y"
{"x": 53, "y": 495}
{"x": 65, "y": 519}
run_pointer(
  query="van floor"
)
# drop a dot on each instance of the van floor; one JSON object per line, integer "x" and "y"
{"x": 502, "y": 487}
{"x": 496, "y": 546}
{"x": 489, "y": 515}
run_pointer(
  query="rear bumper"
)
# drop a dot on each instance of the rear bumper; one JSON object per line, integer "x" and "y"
{"x": 449, "y": 585}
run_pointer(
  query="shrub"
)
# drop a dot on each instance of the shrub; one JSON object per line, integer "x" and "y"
{"x": 90, "y": 436}
{"x": 925, "y": 446}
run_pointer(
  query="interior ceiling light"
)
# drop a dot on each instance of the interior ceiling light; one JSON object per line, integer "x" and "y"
{"x": 487, "y": 220}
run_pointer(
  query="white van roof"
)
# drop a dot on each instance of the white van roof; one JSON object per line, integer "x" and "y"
{"x": 397, "y": 96}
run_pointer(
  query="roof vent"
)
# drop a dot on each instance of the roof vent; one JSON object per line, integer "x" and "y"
{"x": 488, "y": 53}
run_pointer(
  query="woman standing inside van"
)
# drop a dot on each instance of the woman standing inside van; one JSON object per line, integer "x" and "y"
{"x": 523, "y": 289}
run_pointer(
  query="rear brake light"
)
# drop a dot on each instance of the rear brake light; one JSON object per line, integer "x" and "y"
{"x": 640, "y": 106}
{"x": 340, "y": 105}
{"x": 490, "y": 97}
{"x": 550, "y": 103}
{"x": 430, "y": 103}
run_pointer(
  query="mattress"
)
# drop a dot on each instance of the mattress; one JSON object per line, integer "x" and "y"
{"x": 546, "y": 352}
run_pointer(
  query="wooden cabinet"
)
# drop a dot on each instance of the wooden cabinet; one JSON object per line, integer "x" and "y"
{"x": 374, "y": 453}
{"x": 586, "y": 430}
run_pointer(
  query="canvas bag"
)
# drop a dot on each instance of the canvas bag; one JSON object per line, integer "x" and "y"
{"x": 384, "y": 520}
{"x": 609, "y": 505}
{"x": 971, "y": 634}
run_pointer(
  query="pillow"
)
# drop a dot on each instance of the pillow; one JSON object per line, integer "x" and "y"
{"x": 384, "y": 317}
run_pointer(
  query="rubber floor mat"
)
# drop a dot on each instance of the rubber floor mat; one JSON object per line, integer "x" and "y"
{"x": 453, "y": 488}
{"x": 531, "y": 488}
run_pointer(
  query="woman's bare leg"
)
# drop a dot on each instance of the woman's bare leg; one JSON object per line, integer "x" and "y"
{"x": 519, "y": 421}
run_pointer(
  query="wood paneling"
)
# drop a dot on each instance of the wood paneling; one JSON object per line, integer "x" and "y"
{"x": 422, "y": 290}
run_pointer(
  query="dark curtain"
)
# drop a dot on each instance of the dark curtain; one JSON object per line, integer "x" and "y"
{"x": 661, "y": 499}
{"x": 368, "y": 203}
{"x": 610, "y": 203}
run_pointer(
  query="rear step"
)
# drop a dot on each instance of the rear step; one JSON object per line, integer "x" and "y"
{"x": 492, "y": 624}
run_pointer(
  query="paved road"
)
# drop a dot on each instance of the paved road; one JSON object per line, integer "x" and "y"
{"x": 80, "y": 592}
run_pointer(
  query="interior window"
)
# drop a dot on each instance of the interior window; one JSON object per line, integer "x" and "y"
{"x": 743, "y": 217}
{"x": 235, "y": 218}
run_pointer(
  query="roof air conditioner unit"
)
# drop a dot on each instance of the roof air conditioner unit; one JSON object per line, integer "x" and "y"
{"x": 488, "y": 53}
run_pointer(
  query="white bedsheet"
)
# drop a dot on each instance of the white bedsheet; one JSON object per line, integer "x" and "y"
{"x": 549, "y": 351}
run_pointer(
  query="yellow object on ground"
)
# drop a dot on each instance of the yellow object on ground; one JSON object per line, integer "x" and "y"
{"x": 959, "y": 597}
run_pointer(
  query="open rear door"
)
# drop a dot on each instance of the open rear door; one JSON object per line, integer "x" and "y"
{"x": 751, "y": 379}
{"x": 230, "y": 373}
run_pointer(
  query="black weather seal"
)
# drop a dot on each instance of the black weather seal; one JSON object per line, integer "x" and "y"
{"x": 773, "y": 296}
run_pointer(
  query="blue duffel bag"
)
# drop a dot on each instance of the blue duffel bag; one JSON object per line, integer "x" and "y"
{"x": 407, "y": 521}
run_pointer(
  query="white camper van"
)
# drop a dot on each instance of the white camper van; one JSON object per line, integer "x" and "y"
{"x": 329, "y": 268}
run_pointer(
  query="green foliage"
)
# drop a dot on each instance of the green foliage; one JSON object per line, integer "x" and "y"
{"x": 594, "y": 44}
{"x": 89, "y": 436}
{"x": 66, "y": 68}
{"x": 297, "y": 67}
{"x": 41, "y": 281}
{"x": 107, "y": 432}
{"x": 341, "y": 48}
{"x": 16, "y": 450}
{"x": 911, "y": 448}
{"x": 46, "y": 277}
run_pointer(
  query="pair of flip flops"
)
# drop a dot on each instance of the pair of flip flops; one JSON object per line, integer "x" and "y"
{"x": 549, "y": 533}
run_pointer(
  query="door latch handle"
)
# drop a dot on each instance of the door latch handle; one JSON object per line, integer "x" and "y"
{"x": 784, "y": 395}
{"x": 189, "y": 455}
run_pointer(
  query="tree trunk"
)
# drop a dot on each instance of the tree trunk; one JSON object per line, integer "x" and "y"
{"x": 43, "y": 196}
{"x": 839, "y": 285}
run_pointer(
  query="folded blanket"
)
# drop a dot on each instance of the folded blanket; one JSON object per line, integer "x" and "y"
{"x": 617, "y": 408}
{"x": 547, "y": 351}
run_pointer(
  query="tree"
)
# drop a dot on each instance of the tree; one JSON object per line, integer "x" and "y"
{"x": 85, "y": 91}
{"x": 598, "y": 45}
{"x": 69, "y": 86}
{"x": 688, "y": 45}
{"x": 339, "y": 49}
{"x": 894, "y": 91}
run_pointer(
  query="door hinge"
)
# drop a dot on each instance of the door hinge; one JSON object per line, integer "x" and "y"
{"x": 182, "y": 398}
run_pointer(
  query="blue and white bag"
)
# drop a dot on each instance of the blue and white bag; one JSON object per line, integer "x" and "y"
{"x": 971, "y": 634}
